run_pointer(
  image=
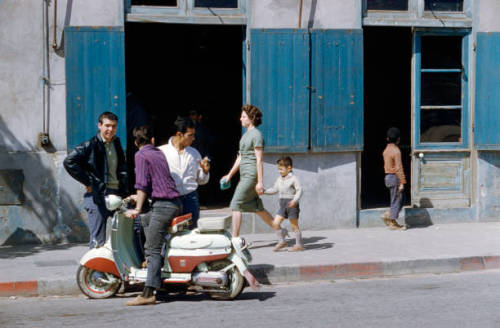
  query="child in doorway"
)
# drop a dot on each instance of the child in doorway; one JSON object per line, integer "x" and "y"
{"x": 394, "y": 178}
{"x": 290, "y": 191}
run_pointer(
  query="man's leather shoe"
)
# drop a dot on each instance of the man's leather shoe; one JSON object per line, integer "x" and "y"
{"x": 140, "y": 300}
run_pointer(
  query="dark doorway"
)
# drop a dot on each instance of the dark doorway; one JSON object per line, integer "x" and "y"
{"x": 172, "y": 69}
{"x": 387, "y": 97}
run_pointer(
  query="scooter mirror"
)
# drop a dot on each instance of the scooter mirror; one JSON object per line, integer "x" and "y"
{"x": 112, "y": 202}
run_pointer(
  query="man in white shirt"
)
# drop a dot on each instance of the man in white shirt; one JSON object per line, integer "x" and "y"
{"x": 187, "y": 167}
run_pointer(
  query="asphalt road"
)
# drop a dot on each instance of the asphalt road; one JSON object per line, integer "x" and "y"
{"x": 452, "y": 300}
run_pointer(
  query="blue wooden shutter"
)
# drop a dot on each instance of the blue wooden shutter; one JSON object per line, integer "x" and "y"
{"x": 337, "y": 90}
{"x": 95, "y": 80}
{"x": 487, "y": 111}
{"x": 279, "y": 81}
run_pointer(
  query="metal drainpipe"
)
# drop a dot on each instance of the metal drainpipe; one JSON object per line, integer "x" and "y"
{"x": 300, "y": 13}
{"x": 54, "y": 42}
{"x": 43, "y": 136}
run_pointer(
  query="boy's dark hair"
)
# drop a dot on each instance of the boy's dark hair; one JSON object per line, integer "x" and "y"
{"x": 143, "y": 135}
{"x": 285, "y": 161}
{"x": 110, "y": 116}
{"x": 181, "y": 124}
{"x": 254, "y": 114}
{"x": 393, "y": 134}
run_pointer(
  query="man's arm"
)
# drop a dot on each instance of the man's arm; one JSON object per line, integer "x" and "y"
{"x": 399, "y": 170}
{"x": 142, "y": 184}
{"x": 203, "y": 170}
{"x": 140, "y": 199}
{"x": 75, "y": 164}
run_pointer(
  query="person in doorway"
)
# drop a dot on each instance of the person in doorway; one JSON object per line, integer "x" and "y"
{"x": 99, "y": 164}
{"x": 290, "y": 191}
{"x": 203, "y": 139}
{"x": 394, "y": 178}
{"x": 250, "y": 164}
{"x": 187, "y": 167}
{"x": 153, "y": 180}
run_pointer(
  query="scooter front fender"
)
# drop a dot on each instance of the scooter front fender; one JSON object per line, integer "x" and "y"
{"x": 100, "y": 259}
{"x": 243, "y": 268}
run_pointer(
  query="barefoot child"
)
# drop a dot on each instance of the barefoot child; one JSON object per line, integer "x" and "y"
{"x": 290, "y": 191}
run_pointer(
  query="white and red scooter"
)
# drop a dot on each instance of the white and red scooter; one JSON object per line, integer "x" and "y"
{"x": 206, "y": 257}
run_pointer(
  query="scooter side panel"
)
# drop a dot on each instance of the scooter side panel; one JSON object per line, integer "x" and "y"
{"x": 183, "y": 264}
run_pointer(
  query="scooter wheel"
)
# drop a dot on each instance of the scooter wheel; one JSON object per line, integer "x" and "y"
{"x": 236, "y": 281}
{"x": 97, "y": 284}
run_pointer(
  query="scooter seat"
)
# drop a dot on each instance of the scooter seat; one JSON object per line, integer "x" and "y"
{"x": 179, "y": 219}
{"x": 179, "y": 222}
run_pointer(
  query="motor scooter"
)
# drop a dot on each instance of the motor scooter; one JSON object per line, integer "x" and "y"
{"x": 206, "y": 259}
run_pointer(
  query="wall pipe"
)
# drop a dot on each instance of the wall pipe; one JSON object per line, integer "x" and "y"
{"x": 54, "y": 43}
{"x": 300, "y": 13}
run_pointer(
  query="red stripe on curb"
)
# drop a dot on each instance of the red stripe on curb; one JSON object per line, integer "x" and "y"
{"x": 338, "y": 271}
{"x": 25, "y": 288}
{"x": 472, "y": 264}
{"x": 492, "y": 262}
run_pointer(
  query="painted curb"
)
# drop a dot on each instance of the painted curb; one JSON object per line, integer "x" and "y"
{"x": 269, "y": 274}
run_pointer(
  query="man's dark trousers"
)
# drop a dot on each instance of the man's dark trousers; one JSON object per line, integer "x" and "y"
{"x": 98, "y": 215}
{"x": 191, "y": 204}
{"x": 162, "y": 213}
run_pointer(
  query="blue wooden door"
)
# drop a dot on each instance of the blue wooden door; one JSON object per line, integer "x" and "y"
{"x": 441, "y": 178}
{"x": 279, "y": 87}
{"x": 487, "y": 111}
{"x": 95, "y": 80}
{"x": 337, "y": 90}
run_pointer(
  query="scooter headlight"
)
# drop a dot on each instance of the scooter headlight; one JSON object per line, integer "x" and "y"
{"x": 112, "y": 202}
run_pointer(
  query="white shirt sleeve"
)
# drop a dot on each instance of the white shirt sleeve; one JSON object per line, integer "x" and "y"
{"x": 201, "y": 177}
{"x": 274, "y": 189}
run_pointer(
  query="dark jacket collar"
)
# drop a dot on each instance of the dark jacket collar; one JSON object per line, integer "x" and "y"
{"x": 99, "y": 137}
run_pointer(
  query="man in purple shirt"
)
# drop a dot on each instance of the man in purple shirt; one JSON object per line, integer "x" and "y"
{"x": 153, "y": 179}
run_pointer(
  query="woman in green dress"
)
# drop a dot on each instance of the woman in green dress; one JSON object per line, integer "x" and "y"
{"x": 249, "y": 163}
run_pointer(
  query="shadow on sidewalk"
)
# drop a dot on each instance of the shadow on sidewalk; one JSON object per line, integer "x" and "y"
{"x": 9, "y": 252}
{"x": 309, "y": 243}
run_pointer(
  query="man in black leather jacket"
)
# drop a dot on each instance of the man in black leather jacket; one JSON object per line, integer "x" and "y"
{"x": 99, "y": 164}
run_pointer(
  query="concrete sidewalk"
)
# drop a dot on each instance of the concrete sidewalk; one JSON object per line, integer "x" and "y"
{"x": 330, "y": 254}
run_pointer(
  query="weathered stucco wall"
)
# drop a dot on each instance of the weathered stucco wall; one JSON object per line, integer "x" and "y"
{"x": 487, "y": 12}
{"x": 52, "y": 199}
{"x": 488, "y": 181}
{"x": 329, "y": 181}
{"x": 327, "y": 14}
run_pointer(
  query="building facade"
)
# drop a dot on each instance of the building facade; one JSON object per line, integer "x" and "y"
{"x": 331, "y": 76}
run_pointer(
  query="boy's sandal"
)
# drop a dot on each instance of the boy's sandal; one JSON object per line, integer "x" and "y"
{"x": 296, "y": 248}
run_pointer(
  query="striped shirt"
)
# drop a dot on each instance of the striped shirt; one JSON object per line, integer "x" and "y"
{"x": 152, "y": 174}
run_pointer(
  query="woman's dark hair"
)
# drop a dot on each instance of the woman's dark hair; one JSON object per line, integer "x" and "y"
{"x": 143, "y": 135}
{"x": 181, "y": 124}
{"x": 254, "y": 114}
{"x": 393, "y": 135}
